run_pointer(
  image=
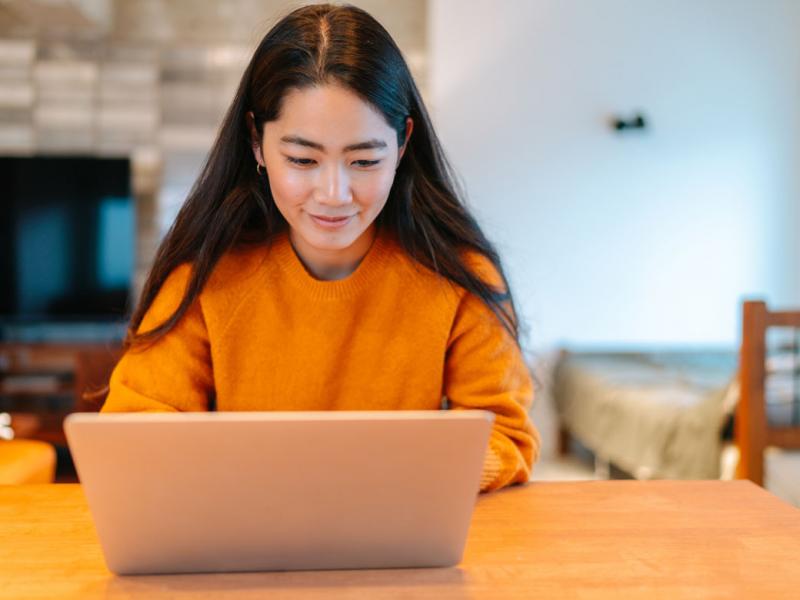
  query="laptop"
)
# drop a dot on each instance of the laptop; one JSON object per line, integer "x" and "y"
{"x": 238, "y": 491}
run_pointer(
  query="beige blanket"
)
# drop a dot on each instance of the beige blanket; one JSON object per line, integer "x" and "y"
{"x": 654, "y": 415}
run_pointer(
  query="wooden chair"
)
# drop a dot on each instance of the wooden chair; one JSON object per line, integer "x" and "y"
{"x": 753, "y": 432}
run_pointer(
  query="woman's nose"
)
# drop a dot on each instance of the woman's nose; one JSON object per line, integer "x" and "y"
{"x": 335, "y": 186}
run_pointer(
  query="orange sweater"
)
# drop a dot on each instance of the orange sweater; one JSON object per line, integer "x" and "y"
{"x": 265, "y": 335}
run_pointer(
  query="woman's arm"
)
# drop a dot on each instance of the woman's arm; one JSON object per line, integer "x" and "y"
{"x": 485, "y": 369}
{"x": 174, "y": 373}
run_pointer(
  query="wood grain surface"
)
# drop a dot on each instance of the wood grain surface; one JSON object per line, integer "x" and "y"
{"x": 609, "y": 539}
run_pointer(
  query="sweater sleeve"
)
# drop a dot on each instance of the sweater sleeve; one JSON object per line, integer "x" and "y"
{"x": 172, "y": 374}
{"x": 485, "y": 369}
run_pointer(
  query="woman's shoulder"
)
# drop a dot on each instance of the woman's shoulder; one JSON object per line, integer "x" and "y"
{"x": 408, "y": 269}
{"x": 234, "y": 272}
{"x": 482, "y": 267}
{"x": 415, "y": 274}
{"x": 237, "y": 269}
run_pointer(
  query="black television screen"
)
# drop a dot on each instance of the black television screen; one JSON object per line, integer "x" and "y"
{"x": 67, "y": 238}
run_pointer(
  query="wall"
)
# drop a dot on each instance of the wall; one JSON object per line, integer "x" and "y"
{"x": 638, "y": 239}
{"x": 149, "y": 80}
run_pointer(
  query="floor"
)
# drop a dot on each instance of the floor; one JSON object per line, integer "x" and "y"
{"x": 550, "y": 466}
{"x": 569, "y": 468}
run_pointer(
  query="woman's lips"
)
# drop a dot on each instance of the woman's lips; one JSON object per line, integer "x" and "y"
{"x": 331, "y": 222}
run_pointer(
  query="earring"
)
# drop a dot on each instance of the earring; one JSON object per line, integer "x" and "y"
{"x": 258, "y": 169}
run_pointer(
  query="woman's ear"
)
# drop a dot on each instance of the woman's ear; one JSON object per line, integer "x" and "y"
{"x": 255, "y": 139}
{"x": 409, "y": 128}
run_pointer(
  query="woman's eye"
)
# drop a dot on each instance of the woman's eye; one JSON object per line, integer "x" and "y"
{"x": 304, "y": 162}
{"x": 307, "y": 162}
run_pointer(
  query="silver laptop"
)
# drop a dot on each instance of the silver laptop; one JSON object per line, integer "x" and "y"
{"x": 213, "y": 492}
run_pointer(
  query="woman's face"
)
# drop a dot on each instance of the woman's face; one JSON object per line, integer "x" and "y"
{"x": 331, "y": 160}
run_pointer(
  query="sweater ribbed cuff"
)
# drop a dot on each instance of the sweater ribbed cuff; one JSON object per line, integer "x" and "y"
{"x": 492, "y": 466}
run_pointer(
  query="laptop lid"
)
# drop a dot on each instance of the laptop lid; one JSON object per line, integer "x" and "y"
{"x": 214, "y": 492}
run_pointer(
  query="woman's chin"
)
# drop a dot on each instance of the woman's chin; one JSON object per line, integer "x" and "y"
{"x": 329, "y": 240}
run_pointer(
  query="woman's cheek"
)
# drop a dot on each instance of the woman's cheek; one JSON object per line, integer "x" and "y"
{"x": 289, "y": 187}
{"x": 377, "y": 189}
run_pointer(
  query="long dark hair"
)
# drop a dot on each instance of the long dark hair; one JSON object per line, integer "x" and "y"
{"x": 231, "y": 204}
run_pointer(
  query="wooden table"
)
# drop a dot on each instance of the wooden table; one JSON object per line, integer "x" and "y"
{"x": 610, "y": 539}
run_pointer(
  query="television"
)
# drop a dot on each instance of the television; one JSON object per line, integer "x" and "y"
{"x": 67, "y": 240}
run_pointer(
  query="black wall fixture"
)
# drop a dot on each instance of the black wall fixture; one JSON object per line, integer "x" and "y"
{"x": 636, "y": 123}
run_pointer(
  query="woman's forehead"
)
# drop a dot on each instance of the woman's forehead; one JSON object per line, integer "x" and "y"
{"x": 331, "y": 116}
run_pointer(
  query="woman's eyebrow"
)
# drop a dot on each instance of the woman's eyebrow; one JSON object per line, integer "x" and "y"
{"x": 368, "y": 145}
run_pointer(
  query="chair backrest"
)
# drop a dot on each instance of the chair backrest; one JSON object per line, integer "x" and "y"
{"x": 753, "y": 430}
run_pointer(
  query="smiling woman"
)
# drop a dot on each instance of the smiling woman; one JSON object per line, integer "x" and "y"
{"x": 324, "y": 260}
{"x": 328, "y": 190}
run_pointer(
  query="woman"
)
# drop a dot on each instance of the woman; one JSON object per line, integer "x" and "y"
{"x": 323, "y": 259}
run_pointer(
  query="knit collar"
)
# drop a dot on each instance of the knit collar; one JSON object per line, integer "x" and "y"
{"x": 380, "y": 255}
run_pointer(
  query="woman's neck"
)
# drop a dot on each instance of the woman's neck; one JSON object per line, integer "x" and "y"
{"x": 332, "y": 265}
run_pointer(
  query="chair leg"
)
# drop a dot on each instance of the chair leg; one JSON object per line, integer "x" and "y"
{"x": 563, "y": 441}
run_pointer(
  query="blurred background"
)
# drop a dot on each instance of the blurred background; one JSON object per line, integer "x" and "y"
{"x": 635, "y": 161}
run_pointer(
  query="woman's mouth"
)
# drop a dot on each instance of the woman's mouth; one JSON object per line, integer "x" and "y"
{"x": 331, "y": 222}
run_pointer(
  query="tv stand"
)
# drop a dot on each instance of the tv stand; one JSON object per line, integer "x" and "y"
{"x": 42, "y": 382}
{"x": 62, "y": 332}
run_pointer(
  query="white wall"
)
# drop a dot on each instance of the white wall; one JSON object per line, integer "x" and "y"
{"x": 627, "y": 239}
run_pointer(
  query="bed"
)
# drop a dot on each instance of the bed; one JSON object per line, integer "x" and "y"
{"x": 652, "y": 415}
